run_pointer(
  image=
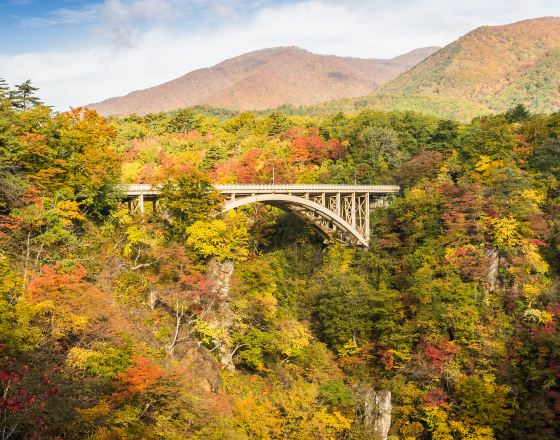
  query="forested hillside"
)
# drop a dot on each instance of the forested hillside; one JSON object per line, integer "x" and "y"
{"x": 185, "y": 324}
{"x": 487, "y": 70}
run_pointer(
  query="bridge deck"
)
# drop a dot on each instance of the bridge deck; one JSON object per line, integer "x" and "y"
{"x": 149, "y": 190}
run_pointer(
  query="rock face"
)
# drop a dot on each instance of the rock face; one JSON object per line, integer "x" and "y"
{"x": 266, "y": 79}
{"x": 207, "y": 368}
{"x": 219, "y": 274}
{"x": 493, "y": 269}
{"x": 377, "y": 412}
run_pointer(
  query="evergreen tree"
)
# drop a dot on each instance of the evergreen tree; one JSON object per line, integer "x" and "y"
{"x": 278, "y": 123}
{"x": 182, "y": 121}
{"x": 546, "y": 157}
{"x": 445, "y": 133}
{"x": 214, "y": 154}
{"x": 23, "y": 96}
{"x": 517, "y": 113}
{"x": 4, "y": 89}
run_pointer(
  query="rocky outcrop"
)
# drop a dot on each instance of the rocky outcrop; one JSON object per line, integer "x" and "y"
{"x": 377, "y": 412}
{"x": 219, "y": 274}
{"x": 493, "y": 269}
{"x": 207, "y": 368}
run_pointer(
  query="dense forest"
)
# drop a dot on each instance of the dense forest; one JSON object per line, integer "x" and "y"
{"x": 183, "y": 323}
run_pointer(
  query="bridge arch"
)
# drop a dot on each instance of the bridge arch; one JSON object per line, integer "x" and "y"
{"x": 290, "y": 203}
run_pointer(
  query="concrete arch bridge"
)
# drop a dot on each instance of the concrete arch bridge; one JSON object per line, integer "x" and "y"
{"x": 338, "y": 212}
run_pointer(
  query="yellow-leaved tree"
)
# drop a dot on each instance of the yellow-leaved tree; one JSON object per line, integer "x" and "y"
{"x": 226, "y": 239}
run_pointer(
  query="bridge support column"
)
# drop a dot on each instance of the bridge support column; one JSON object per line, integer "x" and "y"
{"x": 141, "y": 203}
{"x": 367, "y": 214}
{"x": 338, "y": 211}
{"x": 353, "y": 210}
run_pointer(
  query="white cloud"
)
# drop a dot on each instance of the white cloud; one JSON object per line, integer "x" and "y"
{"x": 152, "y": 51}
{"x": 123, "y": 21}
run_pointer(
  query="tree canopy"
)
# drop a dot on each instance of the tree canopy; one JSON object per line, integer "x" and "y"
{"x": 185, "y": 323}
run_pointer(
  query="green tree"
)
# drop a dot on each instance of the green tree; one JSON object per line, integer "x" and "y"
{"x": 445, "y": 133}
{"x": 546, "y": 157}
{"x": 517, "y": 114}
{"x": 23, "y": 96}
{"x": 189, "y": 198}
{"x": 10, "y": 148}
{"x": 181, "y": 121}
{"x": 277, "y": 123}
{"x": 352, "y": 311}
{"x": 4, "y": 89}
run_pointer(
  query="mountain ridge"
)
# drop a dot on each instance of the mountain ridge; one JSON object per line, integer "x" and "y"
{"x": 264, "y": 79}
{"x": 487, "y": 70}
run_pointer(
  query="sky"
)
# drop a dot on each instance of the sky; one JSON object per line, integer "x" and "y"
{"x": 82, "y": 51}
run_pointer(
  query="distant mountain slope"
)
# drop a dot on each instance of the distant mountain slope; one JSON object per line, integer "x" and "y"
{"x": 266, "y": 79}
{"x": 488, "y": 70}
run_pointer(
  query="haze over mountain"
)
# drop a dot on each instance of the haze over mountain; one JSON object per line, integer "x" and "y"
{"x": 487, "y": 70}
{"x": 266, "y": 79}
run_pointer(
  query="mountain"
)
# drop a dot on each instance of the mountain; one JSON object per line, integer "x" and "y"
{"x": 266, "y": 79}
{"x": 488, "y": 70}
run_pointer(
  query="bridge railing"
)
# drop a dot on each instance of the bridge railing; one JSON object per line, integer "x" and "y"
{"x": 385, "y": 189}
{"x": 147, "y": 189}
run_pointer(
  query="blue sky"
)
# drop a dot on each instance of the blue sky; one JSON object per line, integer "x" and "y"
{"x": 81, "y": 51}
{"x": 31, "y": 25}
{"x": 19, "y": 33}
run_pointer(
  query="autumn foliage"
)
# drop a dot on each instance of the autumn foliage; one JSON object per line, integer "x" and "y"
{"x": 187, "y": 323}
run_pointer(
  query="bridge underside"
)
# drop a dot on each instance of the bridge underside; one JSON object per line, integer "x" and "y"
{"x": 338, "y": 217}
{"x": 331, "y": 225}
{"x": 327, "y": 229}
